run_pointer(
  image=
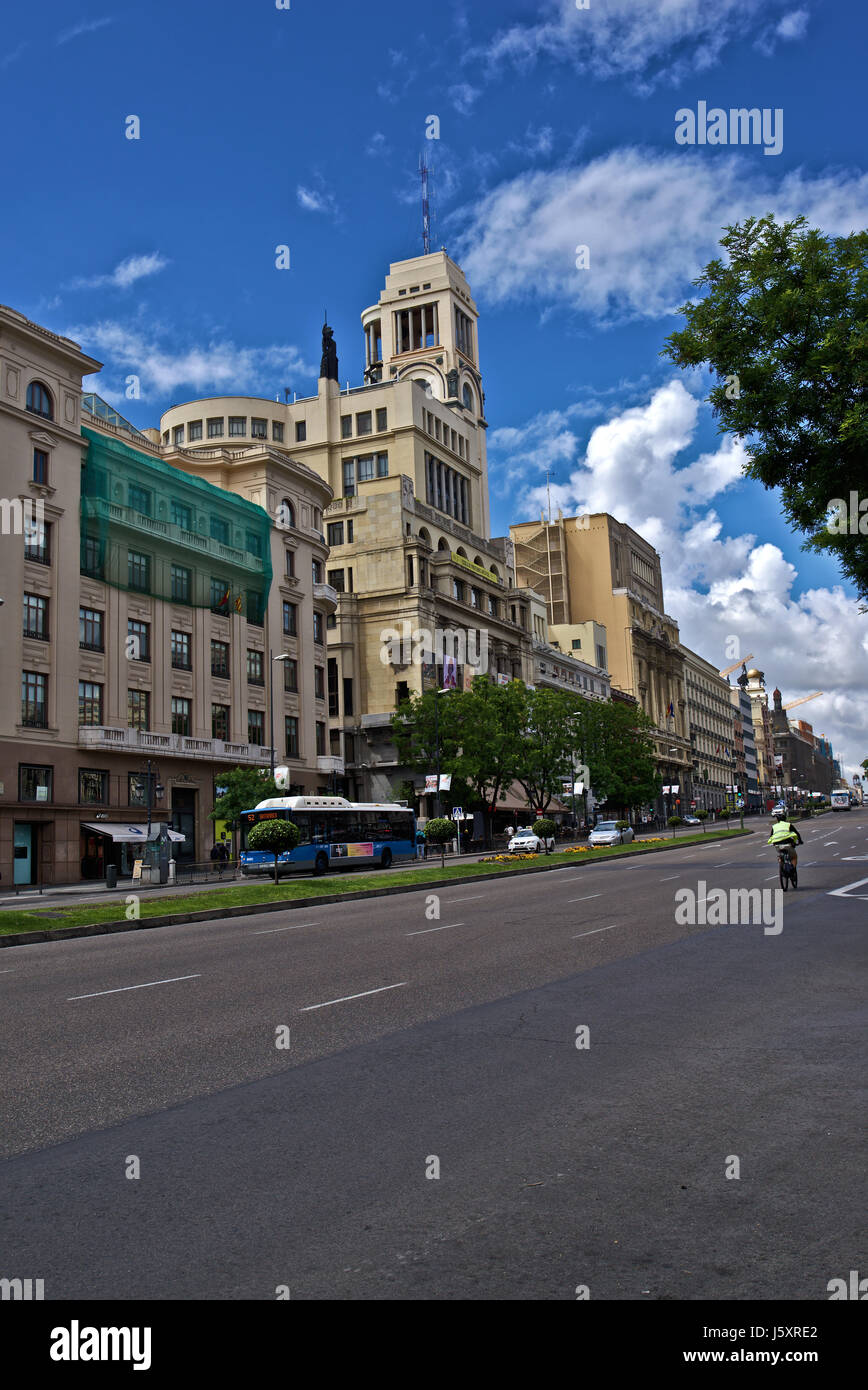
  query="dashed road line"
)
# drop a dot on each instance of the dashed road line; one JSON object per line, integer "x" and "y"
{"x": 346, "y": 997}
{"x": 595, "y": 931}
{"x": 425, "y": 930}
{"x": 125, "y": 988}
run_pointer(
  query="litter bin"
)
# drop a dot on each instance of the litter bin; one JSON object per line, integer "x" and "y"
{"x": 111, "y": 876}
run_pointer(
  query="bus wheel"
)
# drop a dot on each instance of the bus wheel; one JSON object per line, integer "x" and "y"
{"x": 321, "y": 863}
{"x": 386, "y": 860}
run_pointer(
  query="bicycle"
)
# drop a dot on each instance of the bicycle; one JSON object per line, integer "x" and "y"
{"x": 786, "y": 868}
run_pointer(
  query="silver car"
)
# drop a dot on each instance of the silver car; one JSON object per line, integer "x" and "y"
{"x": 526, "y": 842}
{"x": 606, "y": 832}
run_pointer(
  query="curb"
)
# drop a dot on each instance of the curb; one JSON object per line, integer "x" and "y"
{"x": 255, "y": 909}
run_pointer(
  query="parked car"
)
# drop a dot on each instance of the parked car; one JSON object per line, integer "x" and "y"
{"x": 606, "y": 832}
{"x": 526, "y": 842}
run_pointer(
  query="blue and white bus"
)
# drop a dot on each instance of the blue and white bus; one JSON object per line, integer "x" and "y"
{"x": 335, "y": 834}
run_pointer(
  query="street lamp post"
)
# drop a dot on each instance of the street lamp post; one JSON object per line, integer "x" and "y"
{"x": 271, "y": 660}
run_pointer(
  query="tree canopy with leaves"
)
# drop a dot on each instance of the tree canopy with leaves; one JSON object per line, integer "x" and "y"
{"x": 784, "y": 324}
{"x": 245, "y": 787}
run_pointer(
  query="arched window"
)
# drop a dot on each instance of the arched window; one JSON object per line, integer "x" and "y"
{"x": 286, "y": 514}
{"x": 442, "y": 544}
{"x": 462, "y": 552}
{"x": 424, "y": 536}
{"x": 493, "y": 569}
{"x": 39, "y": 400}
{"x": 467, "y": 395}
{"x": 477, "y": 561}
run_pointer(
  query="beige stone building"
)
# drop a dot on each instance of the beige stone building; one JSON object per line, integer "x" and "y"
{"x": 408, "y": 529}
{"x": 763, "y": 733}
{"x": 597, "y": 570}
{"x": 139, "y": 620}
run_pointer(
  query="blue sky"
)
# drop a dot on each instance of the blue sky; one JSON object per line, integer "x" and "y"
{"x": 262, "y": 126}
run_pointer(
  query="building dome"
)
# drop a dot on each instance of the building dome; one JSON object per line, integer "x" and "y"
{"x": 754, "y": 674}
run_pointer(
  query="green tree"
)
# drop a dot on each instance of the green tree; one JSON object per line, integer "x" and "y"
{"x": 245, "y": 787}
{"x": 545, "y": 752}
{"x": 545, "y": 829}
{"x": 276, "y": 835}
{"x": 440, "y": 830}
{"x": 621, "y": 755}
{"x": 784, "y": 325}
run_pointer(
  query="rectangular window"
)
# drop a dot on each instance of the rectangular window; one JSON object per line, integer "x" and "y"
{"x": 220, "y": 659}
{"x": 255, "y": 726}
{"x": 220, "y": 722}
{"x": 91, "y": 557}
{"x": 215, "y": 429}
{"x": 334, "y": 710}
{"x": 35, "y": 782}
{"x": 382, "y": 465}
{"x": 40, "y": 466}
{"x": 349, "y": 533}
{"x": 237, "y": 425}
{"x": 255, "y": 608}
{"x": 290, "y": 674}
{"x": 181, "y": 657}
{"x": 319, "y": 682}
{"x": 138, "y": 640}
{"x": 316, "y": 571}
{"x": 331, "y": 622}
{"x": 320, "y": 737}
{"x": 366, "y": 468}
{"x": 336, "y": 579}
{"x": 291, "y": 733}
{"x": 195, "y": 430}
{"x": 255, "y": 667}
{"x": 89, "y": 703}
{"x": 35, "y": 617}
{"x": 178, "y": 435}
{"x": 253, "y": 544}
{"x": 258, "y": 428}
{"x": 382, "y": 420}
{"x": 137, "y": 788}
{"x": 34, "y": 699}
{"x": 182, "y": 516}
{"x": 346, "y": 427}
{"x": 436, "y": 427}
{"x": 138, "y": 709}
{"x": 182, "y": 584}
{"x": 219, "y": 596}
{"x": 219, "y": 530}
{"x": 290, "y": 619}
{"x": 180, "y": 716}
{"x": 277, "y": 431}
{"x": 300, "y": 431}
{"x": 335, "y": 534}
{"x": 90, "y": 630}
{"x": 463, "y": 333}
{"x": 348, "y": 695}
{"x": 349, "y": 478}
{"x": 139, "y": 572}
{"x": 92, "y": 787}
{"x": 139, "y": 499}
{"x": 290, "y": 564}
{"x": 318, "y": 628}
{"x": 363, "y": 422}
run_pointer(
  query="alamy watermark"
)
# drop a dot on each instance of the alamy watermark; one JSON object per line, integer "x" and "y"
{"x": 738, "y": 126}
{"x": 419, "y": 646}
{"x": 741, "y": 907}
{"x": 849, "y": 520}
{"x": 22, "y": 517}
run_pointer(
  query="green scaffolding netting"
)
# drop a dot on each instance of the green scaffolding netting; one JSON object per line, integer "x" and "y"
{"x": 151, "y": 529}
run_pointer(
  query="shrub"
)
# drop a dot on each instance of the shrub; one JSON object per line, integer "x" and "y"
{"x": 276, "y": 835}
{"x": 674, "y": 821}
{"x": 439, "y": 831}
{"x": 545, "y": 828}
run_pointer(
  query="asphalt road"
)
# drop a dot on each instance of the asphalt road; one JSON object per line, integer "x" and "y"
{"x": 416, "y": 1037}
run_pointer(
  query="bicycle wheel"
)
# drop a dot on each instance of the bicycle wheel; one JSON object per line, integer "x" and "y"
{"x": 795, "y": 874}
{"x": 784, "y": 877}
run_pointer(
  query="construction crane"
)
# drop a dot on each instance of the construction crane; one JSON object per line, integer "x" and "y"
{"x": 742, "y": 662}
{"x": 803, "y": 700}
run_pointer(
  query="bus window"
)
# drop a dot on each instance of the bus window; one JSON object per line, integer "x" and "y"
{"x": 302, "y": 820}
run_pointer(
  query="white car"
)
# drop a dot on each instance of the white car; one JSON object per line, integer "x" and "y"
{"x": 606, "y": 832}
{"x": 526, "y": 842}
{"x": 692, "y": 820}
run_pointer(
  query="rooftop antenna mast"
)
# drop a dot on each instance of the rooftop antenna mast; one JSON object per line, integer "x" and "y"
{"x": 426, "y": 210}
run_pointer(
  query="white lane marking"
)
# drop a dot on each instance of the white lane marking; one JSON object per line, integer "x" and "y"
{"x": 770, "y": 877}
{"x": 296, "y": 926}
{"x": 125, "y": 988}
{"x": 845, "y": 891}
{"x": 345, "y": 997}
{"x": 426, "y": 930}
{"x": 474, "y": 899}
{"x": 7, "y": 972}
{"x": 669, "y": 878}
{"x": 585, "y": 898}
{"x": 594, "y": 932}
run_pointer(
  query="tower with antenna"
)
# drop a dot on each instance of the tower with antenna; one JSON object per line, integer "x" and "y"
{"x": 426, "y": 209}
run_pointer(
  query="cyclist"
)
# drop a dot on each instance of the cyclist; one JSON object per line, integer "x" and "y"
{"x": 785, "y": 833}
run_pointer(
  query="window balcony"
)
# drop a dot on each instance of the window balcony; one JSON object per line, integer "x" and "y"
{"x": 326, "y": 593}
{"x": 103, "y": 738}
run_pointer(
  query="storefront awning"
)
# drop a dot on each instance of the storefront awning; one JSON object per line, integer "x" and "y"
{"x": 128, "y": 833}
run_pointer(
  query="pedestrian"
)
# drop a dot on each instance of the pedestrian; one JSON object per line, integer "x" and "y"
{"x": 218, "y": 857}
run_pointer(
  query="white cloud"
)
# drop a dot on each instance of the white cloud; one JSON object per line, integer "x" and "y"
{"x": 651, "y": 221}
{"x": 717, "y": 586}
{"x": 793, "y": 25}
{"x": 126, "y": 273}
{"x": 164, "y": 368}
{"x": 86, "y": 26}
{"x": 378, "y": 145}
{"x": 648, "y": 41}
{"x": 316, "y": 200}
{"x": 13, "y": 55}
{"x": 463, "y": 97}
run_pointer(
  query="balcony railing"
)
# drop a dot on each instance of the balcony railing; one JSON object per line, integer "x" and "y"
{"x": 326, "y": 593}
{"x": 100, "y": 736}
{"x": 98, "y": 507}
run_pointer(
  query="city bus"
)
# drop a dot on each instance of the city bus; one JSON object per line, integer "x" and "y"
{"x": 334, "y": 834}
{"x": 841, "y": 801}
